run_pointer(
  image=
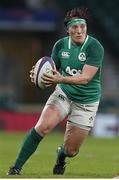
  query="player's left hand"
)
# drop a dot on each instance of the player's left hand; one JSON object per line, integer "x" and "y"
{"x": 48, "y": 80}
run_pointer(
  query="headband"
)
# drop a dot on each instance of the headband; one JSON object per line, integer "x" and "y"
{"x": 75, "y": 21}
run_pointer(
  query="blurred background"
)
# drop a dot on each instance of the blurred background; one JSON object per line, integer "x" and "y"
{"x": 28, "y": 31}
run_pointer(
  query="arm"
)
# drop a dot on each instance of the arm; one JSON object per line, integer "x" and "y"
{"x": 86, "y": 75}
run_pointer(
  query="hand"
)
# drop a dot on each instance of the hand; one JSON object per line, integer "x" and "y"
{"x": 32, "y": 74}
{"x": 48, "y": 80}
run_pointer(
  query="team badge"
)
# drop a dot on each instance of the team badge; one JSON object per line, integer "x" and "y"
{"x": 82, "y": 56}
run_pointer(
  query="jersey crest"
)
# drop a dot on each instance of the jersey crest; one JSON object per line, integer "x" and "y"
{"x": 82, "y": 56}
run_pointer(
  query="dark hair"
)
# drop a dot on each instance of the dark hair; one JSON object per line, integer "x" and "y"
{"x": 80, "y": 12}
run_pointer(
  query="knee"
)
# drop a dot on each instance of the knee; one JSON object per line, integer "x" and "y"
{"x": 43, "y": 130}
{"x": 71, "y": 151}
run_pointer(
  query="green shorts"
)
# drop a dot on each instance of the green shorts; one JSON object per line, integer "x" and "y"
{"x": 80, "y": 115}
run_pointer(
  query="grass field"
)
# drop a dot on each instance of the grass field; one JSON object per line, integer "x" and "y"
{"x": 99, "y": 158}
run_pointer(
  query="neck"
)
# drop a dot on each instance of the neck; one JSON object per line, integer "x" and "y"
{"x": 77, "y": 44}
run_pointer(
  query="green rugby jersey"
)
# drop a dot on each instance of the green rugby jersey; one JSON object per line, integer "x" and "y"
{"x": 70, "y": 59}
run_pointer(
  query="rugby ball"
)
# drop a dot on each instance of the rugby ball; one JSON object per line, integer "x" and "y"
{"x": 43, "y": 65}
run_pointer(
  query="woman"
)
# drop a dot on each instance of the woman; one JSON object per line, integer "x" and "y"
{"x": 78, "y": 58}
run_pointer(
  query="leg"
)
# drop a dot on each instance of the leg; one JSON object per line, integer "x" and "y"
{"x": 50, "y": 117}
{"x": 74, "y": 137}
{"x": 80, "y": 121}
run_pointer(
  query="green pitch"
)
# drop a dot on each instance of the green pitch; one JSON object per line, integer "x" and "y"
{"x": 99, "y": 158}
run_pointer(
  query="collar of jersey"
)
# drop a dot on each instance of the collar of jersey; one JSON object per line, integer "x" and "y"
{"x": 70, "y": 44}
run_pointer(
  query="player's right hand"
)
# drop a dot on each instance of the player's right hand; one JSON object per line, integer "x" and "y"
{"x": 32, "y": 74}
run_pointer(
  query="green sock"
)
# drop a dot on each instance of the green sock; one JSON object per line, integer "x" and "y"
{"x": 61, "y": 155}
{"x": 28, "y": 147}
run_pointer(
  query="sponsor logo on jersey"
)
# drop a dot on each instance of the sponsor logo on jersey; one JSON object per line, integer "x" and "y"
{"x": 65, "y": 54}
{"x": 72, "y": 72}
{"x": 82, "y": 56}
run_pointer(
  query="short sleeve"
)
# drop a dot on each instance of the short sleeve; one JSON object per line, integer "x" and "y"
{"x": 95, "y": 54}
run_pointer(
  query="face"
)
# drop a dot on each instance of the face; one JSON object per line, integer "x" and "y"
{"x": 78, "y": 33}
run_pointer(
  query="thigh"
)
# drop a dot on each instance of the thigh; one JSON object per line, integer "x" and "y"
{"x": 49, "y": 118}
{"x": 56, "y": 109}
{"x": 74, "y": 137}
{"x": 60, "y": 100}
